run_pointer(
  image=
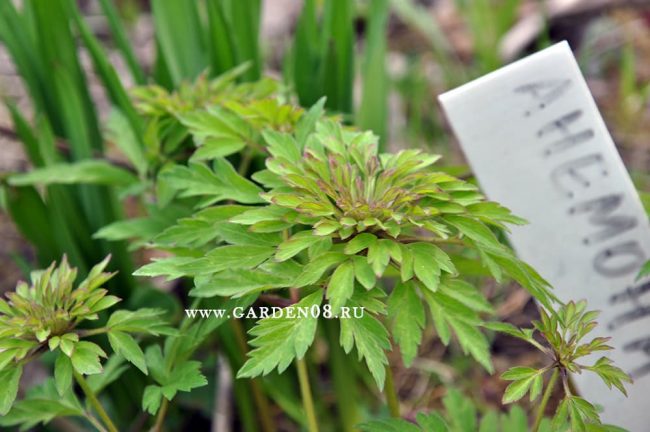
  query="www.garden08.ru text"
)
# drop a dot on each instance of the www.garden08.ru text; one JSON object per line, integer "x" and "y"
{"x": 278, "y": 312}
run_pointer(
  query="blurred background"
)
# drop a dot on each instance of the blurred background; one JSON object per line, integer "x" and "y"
{"x": 64, "y": 64}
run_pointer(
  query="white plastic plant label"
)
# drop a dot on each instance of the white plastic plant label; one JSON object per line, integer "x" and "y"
{"x": 533, "y": 135}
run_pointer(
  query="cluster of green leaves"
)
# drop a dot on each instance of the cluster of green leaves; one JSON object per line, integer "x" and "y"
{"x": 340, "y": 216}
{"x": 563, "y": 333}
{"x": 47, "y": 315}
{"x": 172, "y": 368}
{"x": 220, "y": 115}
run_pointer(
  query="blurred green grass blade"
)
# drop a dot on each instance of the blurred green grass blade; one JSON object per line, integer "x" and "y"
{"x": 22, "y": 48}
{"x": 507, "y": 16}
{"x": 24, "y": 131}
{"x": 75, "y": 121}
{"x": 122, "y": 41}
{"x": 89, "y": 171}
{"x": 59, "y": 52}
{"x": 63, "y": 214}
{"x": 488, "y": 22}
{"x": 306, "y": 56}
{"x": 29, "y": 213}
{"x": 106, "y": 72}
{"x": 338, "y": 70}
{"x": 422, "y": 21}
{"x": 36, "y": 218}
{"x": 482, "y": 18}
{"x": 220, "y": 44}
{"x": 245, "y": 24}
{"x": 373, "y": 110}
{"x": 161, "y": 74}
{"x": 180, "y": 38}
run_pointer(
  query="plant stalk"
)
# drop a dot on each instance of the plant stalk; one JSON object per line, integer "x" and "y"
{"x": 260, "y": 400}
{"x": 307, "y": 400}
{"x": 391, "y": 394}
{"x": 160, "y": 418}
{"x": 547, "y": 395}
{"x": 93, "y": 421}
{"x": 344, "y": 379}
{"x": 90, "y": 394}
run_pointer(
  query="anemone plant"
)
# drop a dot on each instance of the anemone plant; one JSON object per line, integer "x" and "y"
{"x": 563, "y": 334}
{"x": 50, "y": 314}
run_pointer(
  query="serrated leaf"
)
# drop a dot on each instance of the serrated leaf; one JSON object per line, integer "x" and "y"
{"x": 62, "y": 373}
{"x": 431, "y": 422}
{"x": 379, "y": 256}
{"x": 517, "y": 389}
{"x": 171, "y": 268}
{"x": 448, "y": 313}
{"x": 10, "y": 378}
{"x": 610, "y": 374}
{"x": 363, "y": 272}
{"x": 144, "y": 320}
{"x": 278, "y": 341}
{"x": 315, "y": 269}
{"x": 467, "y": 294}
{"x": 407, "y": 313}
{"x": 341, "y": 286}
{"x": 473, "y": 229}
{"x": 296, "y": 244}
{"x": 123, "y": 344}
{"x": 370, "y": 338}
{"x": 518, "y": 373}
{"x": 359, "y": 243}
{"x": 85, "y": 358}
{"x": 236, "y": 283}
{"x": 536, "y": 387}
{"x": 240, "y": 235}
{"x": 220, "y": 183}
{"x": 151, "y": 399}
{"x": 428, "y": 263}
{"x": 230, "y": 257}
{"x": 508, "y": 329}
{"x": 184, "y": 377}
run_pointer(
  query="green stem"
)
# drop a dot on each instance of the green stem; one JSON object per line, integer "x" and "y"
{"x": 391, "y": 394}
{"x": 95, "y": 423}
{"x": 160, "y": 418}
{"x": 245, "y": 163}
{"x": 344, "y": 380}
{"x": 171, "y": 359}
{"x": 90, "y": 394}
{"x": 547, "y": 395}
{"x": 262, "y": 403}
{"x": 92, "y": 332}
{"x": 307, "y": 400}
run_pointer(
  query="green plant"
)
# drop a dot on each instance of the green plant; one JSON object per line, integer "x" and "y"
{"x": 50, "y": 315}
{"x": 327, "y": 221}
{"x": 340, "y": 219}
{"x": 563, "y": 334}
{"x": 254, "y": 202}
